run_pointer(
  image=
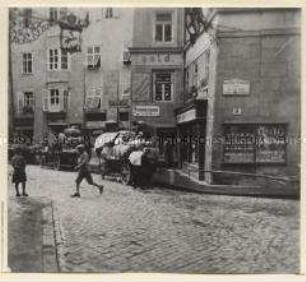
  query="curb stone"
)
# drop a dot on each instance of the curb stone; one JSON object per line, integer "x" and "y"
{"x": 59, "y": 239}
{"x": 49, "y": 254}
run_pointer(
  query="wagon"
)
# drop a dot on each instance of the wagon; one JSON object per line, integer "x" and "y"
{"x": 123, "y": 154}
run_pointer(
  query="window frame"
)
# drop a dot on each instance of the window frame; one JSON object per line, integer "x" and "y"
{"x": 93, "y": 55}
{"x": 163, "y": 83}
{"x": 31, "y": 100}
{"x": 25, "y": 63}
{"x": 163, "y": 24}
{"x": 59, "y": 61}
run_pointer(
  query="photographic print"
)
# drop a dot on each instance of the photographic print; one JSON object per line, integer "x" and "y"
{"x": 154, "y": 140}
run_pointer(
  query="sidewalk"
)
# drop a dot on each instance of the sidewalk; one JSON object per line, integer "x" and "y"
{"x": 175, "y": 179}
{"x": 31, "y": 238}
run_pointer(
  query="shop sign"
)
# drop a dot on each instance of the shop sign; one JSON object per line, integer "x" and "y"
{"x": 255, "y": 144}
{"x": 236, "y": 87}
{"x": 146, "y": 111}
{"x": 118, "y": 103}
{"x": 186, "y": 116}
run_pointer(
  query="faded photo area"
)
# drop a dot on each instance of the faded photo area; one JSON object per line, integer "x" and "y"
{"x": 161, "y": 140}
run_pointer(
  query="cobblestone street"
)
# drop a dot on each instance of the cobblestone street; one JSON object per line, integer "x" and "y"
{"x": 133, "y": 230}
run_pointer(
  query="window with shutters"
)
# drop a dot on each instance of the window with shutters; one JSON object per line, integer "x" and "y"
{"x": 163, "y": 27}
{"x": 163, "y": 87}
{"x": 93, "y": 99}
{"x": 27, "y": 63}
{"x": 94, "y": 57}
{"x": 58, "y": 59}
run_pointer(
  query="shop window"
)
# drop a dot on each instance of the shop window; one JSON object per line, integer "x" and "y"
{"x": 255, "y": 144}
{"x": 124, "y": 116}
{"x": 27, "y": 63}
{"x": 163, "y": 87}
{"x": 163, "y": 27}
{"x": 93, "y": 57}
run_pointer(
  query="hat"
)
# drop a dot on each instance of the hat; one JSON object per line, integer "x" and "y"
{"x": 80, "y": 147}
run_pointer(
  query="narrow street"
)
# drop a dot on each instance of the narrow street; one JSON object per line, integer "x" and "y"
{"x": 133, "y": 230}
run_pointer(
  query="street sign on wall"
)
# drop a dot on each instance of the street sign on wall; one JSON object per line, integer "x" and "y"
{"x": 146, "y": 111}
{"x": 236, "y": 87}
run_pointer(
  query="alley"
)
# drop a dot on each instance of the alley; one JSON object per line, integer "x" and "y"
{"x": 155, "y": 230}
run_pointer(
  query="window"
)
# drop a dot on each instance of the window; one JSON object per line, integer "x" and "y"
{"x": 64, "y": 60}
{"x": 94, "y": 99}
{"x": 28, "y": 102}
{"x": 27, "y": 63}
{"x": 58, "y": 59}
{"x": 163, "y": 27}
{"x": 94, "y": 57}
{"x": 163, "y": 87}
{"x": 111, "y": 13}
{"x": 108, "y": 13}
{"x": 54, "y": 97}
{"x": 124, "y": 116}
{"x": 53, "y": 14}
{"x": 27, "y": 17}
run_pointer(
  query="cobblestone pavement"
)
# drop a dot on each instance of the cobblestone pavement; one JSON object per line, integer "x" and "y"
{"x": 128, "y": 230}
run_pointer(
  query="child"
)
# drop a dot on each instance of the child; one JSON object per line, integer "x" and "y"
{"x": 19, "y": 175}
{"x": 84, "y": 172}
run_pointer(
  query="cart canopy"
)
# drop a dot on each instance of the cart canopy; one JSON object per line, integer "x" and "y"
{"x": 105, "y": 138}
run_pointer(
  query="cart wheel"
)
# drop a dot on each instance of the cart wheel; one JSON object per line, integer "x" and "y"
{"x": 126, "y": 174}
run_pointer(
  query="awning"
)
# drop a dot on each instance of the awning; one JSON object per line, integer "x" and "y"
{"x": 25, "y": 127}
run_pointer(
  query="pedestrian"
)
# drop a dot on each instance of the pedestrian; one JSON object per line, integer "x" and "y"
{"x": 83, "y": 168}
{"x": 19, "y": 175}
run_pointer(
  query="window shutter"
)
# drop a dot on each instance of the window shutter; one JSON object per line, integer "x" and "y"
{"x": 20, "y": 96}
{"x": 46, "y": 100}
{"x": 62, "y": 99}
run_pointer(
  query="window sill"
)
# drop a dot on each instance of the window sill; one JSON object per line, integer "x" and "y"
{"x": 27, "y": 73}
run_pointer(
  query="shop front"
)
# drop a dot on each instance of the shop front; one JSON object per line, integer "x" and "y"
{"x": 191, "y": 137}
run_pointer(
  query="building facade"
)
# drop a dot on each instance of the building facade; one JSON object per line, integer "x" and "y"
{"x": 68, "y": 69}
{"x": 157, "y": 69}
{"x": 252, "y": 94}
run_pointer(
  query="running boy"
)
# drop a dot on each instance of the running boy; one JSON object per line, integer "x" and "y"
{"x": 84, "y": 172}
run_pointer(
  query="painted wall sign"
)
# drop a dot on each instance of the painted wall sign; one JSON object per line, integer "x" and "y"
{"x": 146, "y": 111}
{"x": 158, "y": 58}
{"x": 187, "y": 116}
{"x": 236, "y": 87}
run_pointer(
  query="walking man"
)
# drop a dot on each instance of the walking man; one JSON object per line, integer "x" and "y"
{"x": 84, "y": 172}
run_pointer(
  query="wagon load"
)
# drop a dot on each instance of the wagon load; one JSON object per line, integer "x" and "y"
{"x": 125, "y": 154}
